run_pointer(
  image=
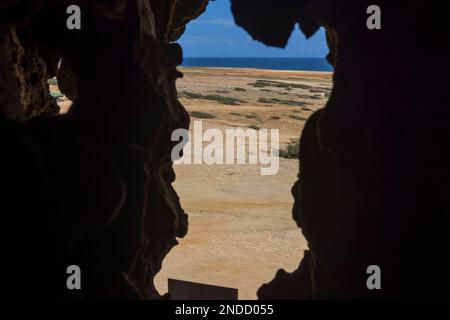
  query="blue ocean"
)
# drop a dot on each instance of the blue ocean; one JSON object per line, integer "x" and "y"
{"x": 303, "y": 64}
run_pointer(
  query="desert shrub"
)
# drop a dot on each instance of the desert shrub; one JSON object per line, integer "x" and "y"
{"x": 265, "y": 100}
{"x": 292, "y": 150}
{"x": 224, "y": 100}
{"x": 319, "y": 90}
{"x": 53, "y": 81}
{"x": 191, "y": 95}
{"x": 280, "y": 101}
{"x": 56, "y": 94}
{"x": 296, "y": 117}
{"x": 202, "y": 115}
{"x": 254, "y": 127}
{"x": 277, "y": 84}
{"x": 240, "y": 89}
{"x": 275, "y": 118}
{"x": 215, "y": 97}
{"x": 235, "y": 114}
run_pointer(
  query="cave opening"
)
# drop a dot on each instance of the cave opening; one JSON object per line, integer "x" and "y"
{"x": 241, "y": 229}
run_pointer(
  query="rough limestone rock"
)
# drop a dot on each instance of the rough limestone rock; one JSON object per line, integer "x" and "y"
{"x": 374, "y": 163}
{"x": 24, "y": 84}
{"x": 92, "y": 187}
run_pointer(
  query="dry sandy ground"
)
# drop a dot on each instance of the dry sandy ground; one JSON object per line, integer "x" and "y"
{"x": 240, "y": 223}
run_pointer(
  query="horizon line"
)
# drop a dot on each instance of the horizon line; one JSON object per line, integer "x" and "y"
{"x": 197, "y": 57}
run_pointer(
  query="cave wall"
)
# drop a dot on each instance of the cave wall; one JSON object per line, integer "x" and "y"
{"x": 374, "y": 163}
{"x": 93, "y": 187}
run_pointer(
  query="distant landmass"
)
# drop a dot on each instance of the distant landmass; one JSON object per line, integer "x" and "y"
{"x": 298, "y": 64}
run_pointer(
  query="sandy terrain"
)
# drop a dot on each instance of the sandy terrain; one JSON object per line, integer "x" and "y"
{"x": 240, "y": 226}
{"x": 241, "y": 230}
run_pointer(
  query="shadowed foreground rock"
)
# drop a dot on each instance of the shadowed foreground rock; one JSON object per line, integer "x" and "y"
{"x": 374, "y": 163}
{"x": 94, "y": 187}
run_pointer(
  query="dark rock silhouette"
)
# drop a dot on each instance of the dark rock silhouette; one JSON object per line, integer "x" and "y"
{"x": 93, "y": 187}
{"x": 374, "y": 163}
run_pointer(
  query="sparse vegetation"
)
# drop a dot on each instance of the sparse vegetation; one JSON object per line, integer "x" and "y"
{"x": 56, "y": 94}
{"x": 320, "y": 90}
{"x": 235, "y": 114}
{"x": 296, "y": 117}
{"x": 280, "y": 101}
{"x": 192, "y": 95}
{"x": 53, "y": 81}
{"x": 222, "y": 91}
{"x": 254, "y": 127}
{"x": 292, "y": 150}
{"x": 202, "y": 115}
{"x": 240, "y": 89}
{"x": 266, "y": 100}
{"x": 251, "y": 116}
{"x": 214, "y": 97}
{"x": 275, "y": 118}
{"x": 277, "y": 84}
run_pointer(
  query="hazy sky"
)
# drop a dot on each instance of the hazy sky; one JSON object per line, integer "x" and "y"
{"x": 214, "y": 34}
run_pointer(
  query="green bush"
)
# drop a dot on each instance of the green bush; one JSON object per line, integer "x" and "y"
{"x": 292, "y": 150}
{"x": 277, "y": 84}
{"x": 53, "y": 81}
